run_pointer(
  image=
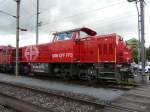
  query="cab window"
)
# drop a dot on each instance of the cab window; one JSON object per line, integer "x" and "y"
{"x": 64, "y": 36}
{"x": 83, "y": 34}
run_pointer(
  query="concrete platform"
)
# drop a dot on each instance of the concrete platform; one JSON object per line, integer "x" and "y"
{"x": 104, "y": 95}
{"x": 137, "y": 99}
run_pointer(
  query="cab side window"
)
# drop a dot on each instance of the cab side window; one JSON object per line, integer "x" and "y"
{"x": 64, "y": 36}
{"x": 83, "y": 34}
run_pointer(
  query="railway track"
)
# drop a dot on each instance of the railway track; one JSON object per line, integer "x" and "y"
{"x": 23, "y": 105}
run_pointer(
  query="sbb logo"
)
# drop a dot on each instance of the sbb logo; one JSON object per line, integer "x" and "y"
{"x": 31, "y": 53}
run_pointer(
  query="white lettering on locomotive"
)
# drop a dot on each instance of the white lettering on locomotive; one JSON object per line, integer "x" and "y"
{"x": 31, "y": 53}
{"x": 69, "y": 55}
{"x": 55, "y": 55}
{"x": 62, "y": 55}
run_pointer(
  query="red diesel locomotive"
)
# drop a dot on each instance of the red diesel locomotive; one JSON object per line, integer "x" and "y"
{"x": 78, "y": 53}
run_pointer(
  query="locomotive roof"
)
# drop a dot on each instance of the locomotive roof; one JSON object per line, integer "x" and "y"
{"x": 84, "y": 29}
{"x": 4, "y": 46}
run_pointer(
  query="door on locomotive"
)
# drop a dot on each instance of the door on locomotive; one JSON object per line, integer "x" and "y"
{"x": 62, "y": 47}
{"x": 63, "y": 54}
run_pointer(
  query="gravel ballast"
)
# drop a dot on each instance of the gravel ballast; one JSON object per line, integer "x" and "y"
{"x": 6, "y": 109}
{"x": 99, "y": 93}
{"x": 54, "y": 103}
{"x": 58, "y": 104}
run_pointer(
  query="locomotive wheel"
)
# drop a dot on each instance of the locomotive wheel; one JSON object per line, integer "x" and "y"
{"x": 91, "y": 73}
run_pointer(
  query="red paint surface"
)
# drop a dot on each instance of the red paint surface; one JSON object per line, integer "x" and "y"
{"x": 94, "y": 48}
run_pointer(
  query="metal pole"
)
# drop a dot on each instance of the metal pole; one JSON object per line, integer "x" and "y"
{"x": 17, "y": 35}
{"x": 139, "y": 39}
{"x": 142, "y": 38}
{"x": 37, "y": 24}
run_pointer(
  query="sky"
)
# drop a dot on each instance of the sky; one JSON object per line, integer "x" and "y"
{"x": 104, "y": 16}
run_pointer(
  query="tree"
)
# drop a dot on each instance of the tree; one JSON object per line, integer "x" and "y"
{"x": 133, "y": 44}
{"x": 148, "y": 53}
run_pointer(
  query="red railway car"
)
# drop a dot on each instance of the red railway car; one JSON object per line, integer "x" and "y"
{"x": 79, "y": 53}
{"x": 7, "y": 58}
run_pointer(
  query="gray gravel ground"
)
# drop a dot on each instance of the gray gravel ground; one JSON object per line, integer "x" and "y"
{"x": 54, "y": 103}
{"x": 4, "y": 109}
{"x": 99, "y": 93}
{"x": 58, "y": 104}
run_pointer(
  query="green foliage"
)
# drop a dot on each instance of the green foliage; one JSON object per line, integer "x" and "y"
{"x": 148, "y": 53}
{"x": 133, "y": 44}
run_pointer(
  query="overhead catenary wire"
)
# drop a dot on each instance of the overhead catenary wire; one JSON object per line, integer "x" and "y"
{"x": 6, "y": 13}
{"x": 33, "y": 3}
{"x": 49, "y": 23}
{"x": 28, "y": 15}
{"x": 79, "y": 14}
{"x": 94, "y": 22}
{"x": 98, "y": 22}
{"x": 85, "y": 12}
{"x": 126, "y": 14}
{"x": 2, "y": 2}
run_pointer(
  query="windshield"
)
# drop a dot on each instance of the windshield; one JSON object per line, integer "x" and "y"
{"x": 64, "y": 36}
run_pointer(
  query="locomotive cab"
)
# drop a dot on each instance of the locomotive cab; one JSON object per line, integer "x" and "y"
{"x": 65, "y": 46}
{"x": 73, "y": 34}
